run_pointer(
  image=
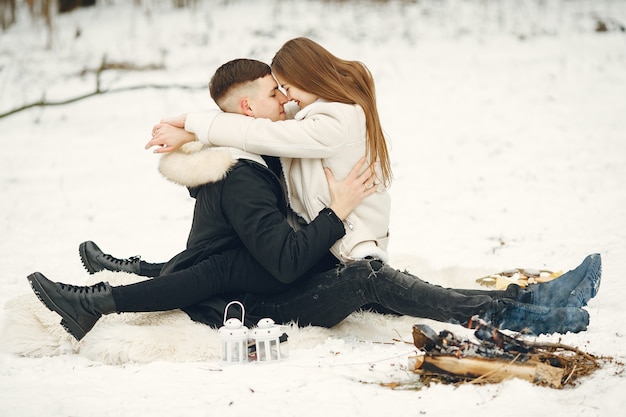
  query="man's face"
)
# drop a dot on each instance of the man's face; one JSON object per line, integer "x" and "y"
{"x": 268, "y": 101}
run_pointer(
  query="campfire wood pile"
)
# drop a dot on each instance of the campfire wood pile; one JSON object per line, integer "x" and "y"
{"x": 495, "y": 357}
{"x": 520, "y": 276}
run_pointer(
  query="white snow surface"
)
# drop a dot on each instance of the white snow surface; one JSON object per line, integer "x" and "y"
{"x": 508, "y": 139}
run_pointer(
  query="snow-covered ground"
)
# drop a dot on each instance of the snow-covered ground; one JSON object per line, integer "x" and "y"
{"x": 506, "y": 120}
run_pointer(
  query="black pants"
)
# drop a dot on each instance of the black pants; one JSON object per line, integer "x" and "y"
{"x": 228, "y": 272}
{"x": 327, "y": 298}
{"x": 322, "y": 299}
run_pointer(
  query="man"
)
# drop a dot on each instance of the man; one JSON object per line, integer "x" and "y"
{"x": 241, "y": 210}
{"x": 240, "y": 234}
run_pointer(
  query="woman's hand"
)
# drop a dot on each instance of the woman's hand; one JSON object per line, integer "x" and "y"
{"x": 345, "y": 195}
{"x": 168, "y": 137}
{"x": 176, "y": 121}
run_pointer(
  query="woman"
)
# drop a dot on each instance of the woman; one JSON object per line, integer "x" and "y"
{"x": 337, "y": 125}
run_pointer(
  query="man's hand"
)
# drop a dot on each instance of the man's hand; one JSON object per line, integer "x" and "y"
{"x": 347, "y": 194}
{"x": 168, "y": 137}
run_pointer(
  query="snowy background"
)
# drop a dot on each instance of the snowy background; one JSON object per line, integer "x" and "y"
{"x": 508, "y": 141}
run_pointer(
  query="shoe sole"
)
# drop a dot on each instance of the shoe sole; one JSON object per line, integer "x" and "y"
{"x": 597, "y": 275}
{"x": 67, "y": 322}
{"x": 85, "y": 260}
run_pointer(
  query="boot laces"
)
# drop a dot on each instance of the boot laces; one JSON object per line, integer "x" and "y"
{"x": 83, "y": 289}
{"x": 122, "y": 262}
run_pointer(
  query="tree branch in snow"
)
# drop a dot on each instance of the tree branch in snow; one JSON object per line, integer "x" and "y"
{"x": 104, "y": 66}
{"x": 44, "y": 102}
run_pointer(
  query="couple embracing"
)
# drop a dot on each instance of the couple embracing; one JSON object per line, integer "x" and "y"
{"x": 290, "y": 179}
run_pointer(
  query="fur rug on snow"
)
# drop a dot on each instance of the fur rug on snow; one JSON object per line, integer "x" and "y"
{"x": 30, "y": 329}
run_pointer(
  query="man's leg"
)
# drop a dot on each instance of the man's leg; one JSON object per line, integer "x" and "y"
{"x": 81, "y": 306}
{"x": 231, "y": 271}
{"x": 94, "y": 260}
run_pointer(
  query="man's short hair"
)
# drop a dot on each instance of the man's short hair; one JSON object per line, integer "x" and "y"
{"x": 235, "y": 73}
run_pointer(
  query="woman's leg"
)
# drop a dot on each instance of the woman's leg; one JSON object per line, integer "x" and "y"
{"x": 326, "y": 299}
{"x": 572, "y": 289}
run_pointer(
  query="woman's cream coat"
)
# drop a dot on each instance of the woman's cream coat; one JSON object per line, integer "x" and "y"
{"x": 322, "y": 134}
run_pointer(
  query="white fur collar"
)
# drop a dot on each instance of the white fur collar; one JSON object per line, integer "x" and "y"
{"x": 195, "y": 164}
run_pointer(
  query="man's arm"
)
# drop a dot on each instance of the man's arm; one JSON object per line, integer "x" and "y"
{"x": 288, "y": 254}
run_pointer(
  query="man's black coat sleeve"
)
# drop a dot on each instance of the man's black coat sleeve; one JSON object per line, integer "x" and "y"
{"x": 250, "y": 202}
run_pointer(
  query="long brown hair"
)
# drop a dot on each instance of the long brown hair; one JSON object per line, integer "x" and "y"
{"x": 310, "y": 67}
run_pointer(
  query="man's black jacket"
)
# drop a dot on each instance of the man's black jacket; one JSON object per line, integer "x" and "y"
{"x": 248, "y": 209}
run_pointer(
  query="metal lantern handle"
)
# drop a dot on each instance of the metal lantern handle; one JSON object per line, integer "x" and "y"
{"x": 243, "y": 311}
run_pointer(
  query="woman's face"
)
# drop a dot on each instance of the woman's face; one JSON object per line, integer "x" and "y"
{"x": 301, "y": 97}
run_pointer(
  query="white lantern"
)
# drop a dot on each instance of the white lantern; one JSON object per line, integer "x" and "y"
{"x": 267, "y": 340}
{"x": 234, "y": 337}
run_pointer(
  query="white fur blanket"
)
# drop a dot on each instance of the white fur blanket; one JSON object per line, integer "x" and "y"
{"x": 30, "y": 329}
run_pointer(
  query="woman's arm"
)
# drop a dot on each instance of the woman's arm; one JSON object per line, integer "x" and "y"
{"x": 322, "y": 133}
{"x": 345, "y": 195}
{"x": 319, "y": 135}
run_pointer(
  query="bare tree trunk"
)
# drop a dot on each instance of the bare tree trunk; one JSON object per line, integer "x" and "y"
{"x": 7, "y": 13}
{"x": 69, "y": 5}
{"x": 46, "y": 12}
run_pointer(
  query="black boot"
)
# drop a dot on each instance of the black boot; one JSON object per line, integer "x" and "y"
{"x": 516, "y": 316}
{"x": 80, "y": 307}
{"x": 572, "y": 289}
{"x": 94, "y": 260}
